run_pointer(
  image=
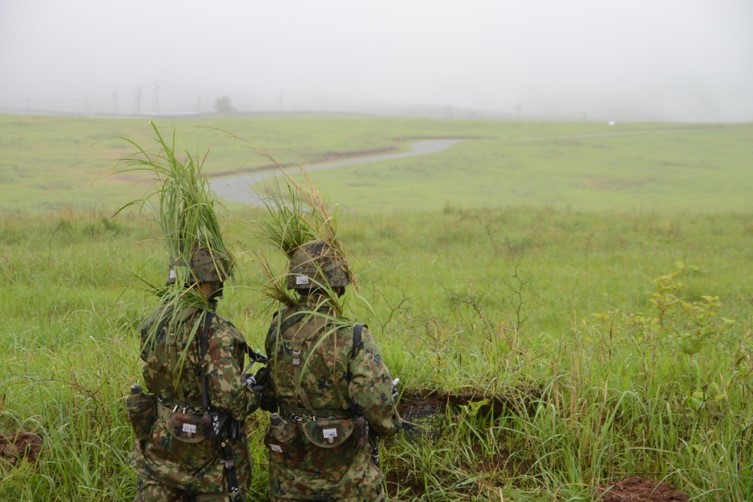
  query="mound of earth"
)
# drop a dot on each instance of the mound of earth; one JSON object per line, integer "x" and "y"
{"x": 636, "y": 489}
{"x": 22, "y": 445}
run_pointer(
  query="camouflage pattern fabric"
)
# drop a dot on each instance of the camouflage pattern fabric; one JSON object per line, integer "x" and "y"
{"x": 312, "y": 373}
{"x": 171, "y": 461}
{"x": 315, "y": 264}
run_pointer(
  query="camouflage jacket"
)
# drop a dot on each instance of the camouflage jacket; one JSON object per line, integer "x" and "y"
{"x": 172, "y": 372}
{"x": 317, "y": 376}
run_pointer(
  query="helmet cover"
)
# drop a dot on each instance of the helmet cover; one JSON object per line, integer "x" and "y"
{"x": 209, "y": 267}
{"x": 315, "y": 264}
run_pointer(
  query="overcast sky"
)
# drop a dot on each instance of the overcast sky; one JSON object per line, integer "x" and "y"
{"x": 683, "y": 60}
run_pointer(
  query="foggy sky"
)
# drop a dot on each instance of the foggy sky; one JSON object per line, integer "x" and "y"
{"x": 668, "y": 60}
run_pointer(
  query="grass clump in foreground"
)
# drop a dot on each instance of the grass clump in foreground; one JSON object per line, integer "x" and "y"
{"x": 575, "y": 349}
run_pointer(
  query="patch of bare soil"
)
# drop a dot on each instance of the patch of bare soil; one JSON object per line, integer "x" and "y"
{"x": 22, "y": 445}
{"x": 425, "y": 412}
{"x": 637, "y": 489}
{"x": 425, "y": 402}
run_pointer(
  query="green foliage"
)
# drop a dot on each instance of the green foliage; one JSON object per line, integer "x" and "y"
{"x": 691, "y": 324}
{"x": 587, "y": 400}
{"x": 53, "y": 162}
{"x": 490, "y": 301}
{"x": 186, "y": 205}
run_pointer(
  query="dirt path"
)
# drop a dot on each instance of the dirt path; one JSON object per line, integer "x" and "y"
{"x": 239, "y": 187}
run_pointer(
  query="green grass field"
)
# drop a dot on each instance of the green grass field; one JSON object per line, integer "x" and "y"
{"x": 54, "y": 162}
{"x": 588, "y": 285}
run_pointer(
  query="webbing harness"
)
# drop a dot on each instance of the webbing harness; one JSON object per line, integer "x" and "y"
{"x": 307, "y": 411}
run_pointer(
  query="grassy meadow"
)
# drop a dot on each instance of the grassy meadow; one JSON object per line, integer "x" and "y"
{"x": 581, "y": 294}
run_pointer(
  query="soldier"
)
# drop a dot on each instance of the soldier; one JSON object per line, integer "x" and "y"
{"x": 193, "y": 446}
{"x": 333, "y": 392}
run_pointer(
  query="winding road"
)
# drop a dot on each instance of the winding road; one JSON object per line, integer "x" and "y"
{"x": 239, "y": 187}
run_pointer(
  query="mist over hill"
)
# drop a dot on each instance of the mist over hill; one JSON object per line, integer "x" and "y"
{"x": 581, "y": 60}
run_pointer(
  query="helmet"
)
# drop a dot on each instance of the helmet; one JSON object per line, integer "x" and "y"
{"x": 206, "y": 266}
{"x": 315, "y": 264}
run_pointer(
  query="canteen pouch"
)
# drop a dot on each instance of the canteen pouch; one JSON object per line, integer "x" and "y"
{"x": 142, "y": 413}
{"x": 188, "y": 428}
{"x": 283, "y": 441}
{"x": 183, "y": 438}
{"x": 328, "y": 432}
{"x": 333, "y": 443}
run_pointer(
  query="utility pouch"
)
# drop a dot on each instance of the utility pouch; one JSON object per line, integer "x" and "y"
{"x": 142, "y": 413}
{"x": 187, "y": 427}
{"x": 283, "y": 441}
{"x": 328, "y": 432}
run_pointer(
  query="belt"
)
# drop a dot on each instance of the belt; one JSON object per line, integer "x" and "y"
{"x": 165, "y": 411}
{"x": 304, "y": 415}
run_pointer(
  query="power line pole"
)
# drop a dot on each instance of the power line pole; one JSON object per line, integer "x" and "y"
{"x": 156, "y": 98}
{"x": 137, "y": 102}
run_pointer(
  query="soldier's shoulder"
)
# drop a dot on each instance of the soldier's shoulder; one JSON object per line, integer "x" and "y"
{"x": 225, "y": 327}
{"x": 223, "y": 322}
{"x": 158, "y": 314}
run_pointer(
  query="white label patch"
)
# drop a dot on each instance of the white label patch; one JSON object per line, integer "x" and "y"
{"x": 329, "y": 433}
{"x": 275, "y": 448}
{"x": 189, "y": 428}
{"x": 301, "y": 279}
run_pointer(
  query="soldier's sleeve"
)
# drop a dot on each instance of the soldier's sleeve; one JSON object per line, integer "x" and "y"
{"x": 271, "y": 348}
{"x": 227, "y": 390}
{"x": 146, "y": 333}
{"x": 143, "y": 337}
{"x": 370, "y": 387}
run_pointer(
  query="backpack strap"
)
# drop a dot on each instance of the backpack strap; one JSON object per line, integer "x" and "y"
{"x": 280, "y": 326}
{"x": 357, "y": 343}
{"x": 356, "y": 346}
{"x": 203, "y": 347}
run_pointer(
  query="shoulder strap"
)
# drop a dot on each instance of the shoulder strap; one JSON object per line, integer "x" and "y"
{"x": 296, "y": 347}
{"x": 203, "y": 347}
{"x": 356, "y": 346}
{"x": 280, "y": 326}
{"x": 357, "y": 343}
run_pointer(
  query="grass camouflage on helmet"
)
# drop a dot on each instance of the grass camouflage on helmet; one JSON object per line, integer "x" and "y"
{"x": 301, "y": 225}
{"x": 195, "y": 247}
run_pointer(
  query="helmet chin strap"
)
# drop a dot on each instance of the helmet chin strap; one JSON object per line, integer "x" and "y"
{"x": 217, "y": 293}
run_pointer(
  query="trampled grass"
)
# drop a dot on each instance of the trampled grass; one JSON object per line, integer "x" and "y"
{"x": 584, "y": 368}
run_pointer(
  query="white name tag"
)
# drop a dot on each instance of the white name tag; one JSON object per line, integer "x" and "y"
{"x": 329, "y": 433}
{"x": 301, "y": 279}
{"x": 189, "y": 428}
{"x": 275, "y": 448}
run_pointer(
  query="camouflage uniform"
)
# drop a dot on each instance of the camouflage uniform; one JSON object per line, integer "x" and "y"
{"x": 322, "y": 384}
{"x": 332, "y": 383}
{"x": 170, "y": 465}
